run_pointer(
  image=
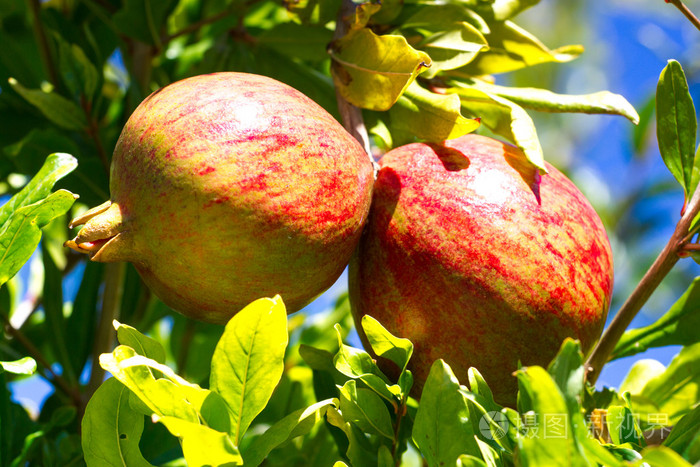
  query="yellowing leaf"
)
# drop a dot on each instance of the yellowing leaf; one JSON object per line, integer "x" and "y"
{"x": 512, "y": 48}
{"x": 202, "y": 445}
{"x": 372, "y": 71}
{"x": 428, "y": 116}
{"x": 505, "y": 118}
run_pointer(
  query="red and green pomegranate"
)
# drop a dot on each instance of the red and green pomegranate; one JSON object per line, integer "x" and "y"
{"x": 229, "y": 187}
{"x": 478, "y": 260}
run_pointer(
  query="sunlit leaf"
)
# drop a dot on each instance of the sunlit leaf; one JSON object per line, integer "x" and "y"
{"x": 23, "y": 366}
{"x": 372, "y": 71}
{"x": 550, "y": 441}
{"x": 163, "y": 392}
{"x": 429, "y": 116}
{"x": 295, "y": 424}
{"x": 249, "y": 360}
{"x": 674, "y": 392}
{"x": 359, "y": 450}
{"x": 56, "y": 166}
{"x": 678, "y": 326}
{"x": 603, "y": 102}
{"x": 143, "y": 345}
{"x": 504, "y": 118}
{"x": 512, "y": 48}
{"x": 366, "y": 409}
{"x": 661, "y": 456}
{"x": 442, "y": 429}
{"x": 639, "y": 375}
{"x": 501, "y": 10}
{"x": 21, "y": 233}
{"x": 676, "y": 126}
{"x": 385, "y": 344}
{"x": 60, "y": 111}
{"x": 112, "y": 429}
{"x": 685, "y": 434}
{"x": 358, "y": 364}
{"x": 202, "y": 445}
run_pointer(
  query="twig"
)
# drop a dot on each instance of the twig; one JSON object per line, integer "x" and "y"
{"x": 651, "y": 280}
{"x": 36, "y": 354}
{"x": 350, "y": 115}
{"x": 686, "y": 11}
{"x": 44, "y": 49}
{"x": 104, "y": 334}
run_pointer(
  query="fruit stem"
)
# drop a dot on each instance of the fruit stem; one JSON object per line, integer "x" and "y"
{"x": 351, "y": 115}
{"x": 686, "y": 11}
{"x": 659, "y": 269}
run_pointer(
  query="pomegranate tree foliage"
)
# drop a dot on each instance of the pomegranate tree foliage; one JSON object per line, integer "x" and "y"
{"x": 268, "y": 387}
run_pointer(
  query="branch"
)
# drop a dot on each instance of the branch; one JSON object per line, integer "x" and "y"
{"x": 349, "y": 114}
{"x": 686, "y": 11}
{"x": 651, "y": 280}
{"x": 44, "y": 49}
{"x": 36, "y": 354}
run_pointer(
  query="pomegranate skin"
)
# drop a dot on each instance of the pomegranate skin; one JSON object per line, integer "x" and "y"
{"x": 229, "y": 187}
{"x": 478, "y": 260}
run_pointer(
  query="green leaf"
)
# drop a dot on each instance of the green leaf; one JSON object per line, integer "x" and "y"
{"x": 372, "y": 71}
{"x": 249, "y": 360}
{"x": 501, "y": 10}
{"x": 358, "y": 364}
{"x": 442, "y": 429}
{"x": 23, "y": 366}
{"x": 678, "y": 326}
{"x": 452, "y": 48}
{"x": 143, "y": 345}
{"x": 359, "y": 450}
{"x": 385, "y": 344}
{"x": 623, "y": 426}
{"x": 504, "y": 118}
{"x": 603, "y": 102}
{"x": 512, "y": 48}
{"x": 551, "y": 441}
{"x": 297, "y": 41}
{"x": 366, "y": 409}
{"x": 674, "y": 392}
{"x": 202, "y": 445}
{"x": 163, "y": 392}
{"x": 471, "y": 461}
{"x": 111, "y": 428}
{"x": 297, "y": 423}
{"x": 428, "y": 116}
{"x": 685, "y": 434}
{"x": 639, "y": 375}
{"x": 676, "y": 125}
{"x": 57, "y": 109}
{"x": 567, "y": 371}
{"x": 21, "y": 233}
{"x": 79, "y": 73}
{"x": 56, "y": 166}
{"x": 661, "y": 456}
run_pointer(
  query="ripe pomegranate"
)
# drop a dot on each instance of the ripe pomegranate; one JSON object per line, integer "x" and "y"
{"x": 478, "y": 260}
{"x": 228, "y": 187}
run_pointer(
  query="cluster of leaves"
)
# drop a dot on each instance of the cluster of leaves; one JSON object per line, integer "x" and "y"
{"x": 70, "y": 74}
{"x": 361, "y": 417}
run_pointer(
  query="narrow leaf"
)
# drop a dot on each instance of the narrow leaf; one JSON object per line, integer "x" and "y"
{"x": 678, "y": 326}
{"x": 112, "y": 429}
{"x": 603, "y": 102}
{"x": 661, "y": 456}
{"x": 249, "y": 360}
{"x": 442, "y": 429}
{"x": 23, "y": 366}
{"x": 372, "y": 71}
{"x": 686, "y": 431}
{"x": 57, "y": 109}
{"x": 676, "y": 124}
